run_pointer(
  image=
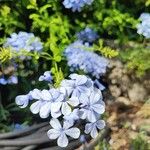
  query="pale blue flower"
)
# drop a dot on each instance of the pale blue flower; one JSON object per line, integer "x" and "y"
{"x": 92, "y": 128}
{"x": 24, "y": 41}
{"x": 49, "y": 102}
{"x": 92, "y": 106}
{"x": 144, "y": 27}
{"x": 87, "y": 35}
{"x": 76, "y": 5}
{"x": 77, "y": 85}
{"x": 67, "y": 102}
{"x": 81, "y": 59}
{"x": 46, "y": 77}
{"x": 61, "y": 132}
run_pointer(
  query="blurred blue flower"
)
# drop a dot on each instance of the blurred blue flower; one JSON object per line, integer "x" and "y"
{"x": 23, "y": 41}
{"x": 46, "y": 77}
{"x": 19, "y": 127}
{"x": 80, "y": 59}
{"x": 3, "y": 81}
{"x": 76, "y": 5}
{"x": 144, "y": 27}
{"x": 92, "y": 127}
{"x": 92, "y": 106}
{"x": 87, "y": 35}
{"x": 61, "y": 132}
{"x": 11, "y": 80}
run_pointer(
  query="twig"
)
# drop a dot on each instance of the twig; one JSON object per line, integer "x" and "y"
{"x": 27, "y": 142}
{"x": 23, "y": 132}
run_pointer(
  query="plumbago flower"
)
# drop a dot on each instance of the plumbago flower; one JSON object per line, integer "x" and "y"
{"x": 92, "y": 106}
{"x": 87, "y": 35}
{"x": 144, "y": 27}
{"x": 61, "y": 132}
{"x": 93, "y": 126}
{"x": 23, "y": 41}
{"x": 76, "y": 5}
{"x": 46, "y": 77}
{"x": 80, "y": 59}
{"x": 76, "y": 99}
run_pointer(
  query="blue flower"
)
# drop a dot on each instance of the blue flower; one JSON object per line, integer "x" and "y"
{"x": 48, "y": 102}
{"x": 61, "y": 132}
{"x": 92, "y": 127}
{"x": 76, "y": 5}
{"x": 24, "y": 41}
{"x": 144, "y": 27}
{"x": 87, "y": 35}
{"x": 68, "y": 102}
{"x": 80, "y": 59}
{"x": 92, "y": 106}
{"x": 11, "y": 80}
{"x": 46, "y": 77}
{"x": 77, "y": 85}
{"x": 3, "y": 81}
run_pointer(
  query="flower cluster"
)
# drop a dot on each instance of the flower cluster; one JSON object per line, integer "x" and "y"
{"x": 23, "y": 41}
{"x": 76, "y": 5}
{"x": 80, "y": 59}
{"x": 144, "y": 26}
{"x": 76, "y": 99}
{"x": 11, "y": 80}
{"x": 87, "y": 35}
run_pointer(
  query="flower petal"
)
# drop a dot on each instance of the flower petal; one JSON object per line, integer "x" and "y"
{"x": 67, "y": 124}
{"x": 55, "y": 107}
{"x": 84, "y": 99}
{"x": 100, "y": 124}
{"x": 53, "y": 134}
{"x": 88, "y": 128}
{"x": 91, "y": 116}
{"x": 55, "y": 124}
{"x": 45, "y": 110}
{"x": 35, "y": 107}
{"x": 66, "y": 110}
{"x": 56, "y": 114}
{"x": 62, "y": 140}
{"x": 36, "y": 94}
{"x": 81, "y": 80}
{"x": 45, "y": 95}
{"x": 73, "y": 132}
{"x": 94, "y": 132}
{"x": 73, "y": 101}
{"x": 100, "y": 109}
